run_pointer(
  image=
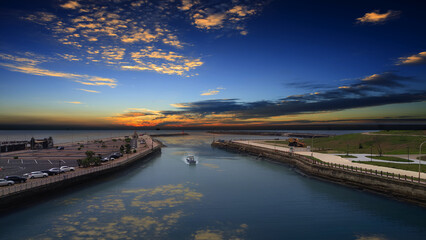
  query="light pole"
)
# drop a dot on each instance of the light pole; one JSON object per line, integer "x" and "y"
{"x": 408, "y": 154}
{"x": 312, "y": 146}
{"x": 420, "y": 157}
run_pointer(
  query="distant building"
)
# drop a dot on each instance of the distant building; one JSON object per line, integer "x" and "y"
{"x": 13, "y": 146}
{"x": 41, "y": 143}
{"x": 134, "y": 140}
{"x": 33, "y": 144}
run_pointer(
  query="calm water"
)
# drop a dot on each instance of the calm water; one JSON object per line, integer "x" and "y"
{"x": 226, "y": 196}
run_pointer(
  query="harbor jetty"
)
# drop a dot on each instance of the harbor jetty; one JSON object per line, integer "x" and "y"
{"x": 278, "y": 134}
{"x": 391, "y": 183}
{"x": 23, "y": 193}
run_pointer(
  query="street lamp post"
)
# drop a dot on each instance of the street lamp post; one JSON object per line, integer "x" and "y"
{"x": 408, "y": 154}
{"x": 312, "y": 146}
{"x": 420, "y": 157}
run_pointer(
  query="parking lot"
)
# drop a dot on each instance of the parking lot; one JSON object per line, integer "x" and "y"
{"x": 20, "y": 162}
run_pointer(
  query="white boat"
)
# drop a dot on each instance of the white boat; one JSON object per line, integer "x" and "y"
{"x": 191, "y": 160}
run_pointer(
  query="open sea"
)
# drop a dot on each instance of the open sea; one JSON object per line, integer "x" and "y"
{"x": 225, "y": 196}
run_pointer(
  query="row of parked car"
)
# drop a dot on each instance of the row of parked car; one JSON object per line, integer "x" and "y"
{"x": 112, "y": 157}
{"x": 10, "y": 180}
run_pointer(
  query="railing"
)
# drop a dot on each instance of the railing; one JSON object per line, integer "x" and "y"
{"x": 34, "y": 183}
{"x": 382, "y": 174}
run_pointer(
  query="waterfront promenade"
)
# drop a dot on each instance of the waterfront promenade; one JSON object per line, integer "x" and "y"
{"x": 141, "y": 151}
{"x": 329, "y": 158}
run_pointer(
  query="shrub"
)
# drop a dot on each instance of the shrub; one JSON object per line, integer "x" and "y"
{"x": 15, "y": 157}
{"x": 78, "y": 148}
{"x": 82, "y": 146}
{"x": 134, "y": 151}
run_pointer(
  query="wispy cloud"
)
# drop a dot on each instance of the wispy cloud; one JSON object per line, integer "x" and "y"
{"x": 75, "y": 102}
{"x": 71, "y": 5}
{"x": 377, "y": 17}
{"x": 102, "y": 32}
{"x": 69, "y": 57}
{"x": 229, "y": 16}
{"x": 28, "y": 66}
{"x": 87, "y": 90}
{"x": 211, "y": 92}
{"x": 158, "y": 60}
{"x": 186, "y": 5}
{"x": 415, "y": 59}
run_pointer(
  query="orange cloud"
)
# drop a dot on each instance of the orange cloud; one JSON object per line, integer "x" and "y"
{"x": 24, "y": 65}
{"x": 86, "y": 90}
{"x": 419, "y": 58}
{"x": 207, "y": 22}
{"x": 377, "y": 17}
{"x": 75, "y": 102}
{"x": 71, "y": 5}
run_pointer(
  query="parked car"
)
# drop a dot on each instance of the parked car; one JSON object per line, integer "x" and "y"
{"x": 66, "y": 169}
{"x": 4, "y": 182}
{"x": 53, "y": 171}
{"x": 115, "y": 155}
{"x": 36, "y": 174}
{"x": 16, "y": 179}
{"x": 105, "y": 159}
{"x": 60, "y": 148}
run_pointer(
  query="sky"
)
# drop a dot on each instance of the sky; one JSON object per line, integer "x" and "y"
{"x": 195, "y": 63}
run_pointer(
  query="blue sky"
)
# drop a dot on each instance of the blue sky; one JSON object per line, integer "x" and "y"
{"x": 188, "y": 63}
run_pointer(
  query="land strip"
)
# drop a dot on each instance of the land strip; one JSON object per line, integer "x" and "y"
{"x": 402, "y": 187}
{"x": 15, "y": 194}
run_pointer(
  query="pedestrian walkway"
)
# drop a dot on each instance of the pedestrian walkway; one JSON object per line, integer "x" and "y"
{"x": 330, "y": 158}
{"x": 366, "y": 157}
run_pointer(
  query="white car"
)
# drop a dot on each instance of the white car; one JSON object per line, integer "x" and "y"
{"x": 4, "y": 182}
{"x": 36, "y": 174}
{"x": 66, "y": 169}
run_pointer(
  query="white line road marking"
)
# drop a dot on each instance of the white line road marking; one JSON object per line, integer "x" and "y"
{"x": 8, "y": 161}
{"x": 63, "y": 161}
{"x": 35, "y": 161}
{"x": 50, "y": 161}
{"x": 22, "y": 161}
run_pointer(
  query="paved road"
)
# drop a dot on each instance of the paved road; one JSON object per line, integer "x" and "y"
{"x": 338, "y": 160}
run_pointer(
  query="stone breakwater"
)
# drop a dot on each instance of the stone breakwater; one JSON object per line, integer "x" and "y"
{"x": 397, "y": 186}
{"x": 19, "y": 194}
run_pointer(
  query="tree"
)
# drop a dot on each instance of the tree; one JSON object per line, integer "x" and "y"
{"x": 90, "y": 159}
{"x": 128, "y": 147}
{"x": 90, "y": 154}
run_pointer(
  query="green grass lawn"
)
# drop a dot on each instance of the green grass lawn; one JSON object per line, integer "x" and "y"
{"x": 362, "y": 143}
{"x": 409, "y": 167}
{"x": 347, "y": 156}
{"x": 390, "y": 158}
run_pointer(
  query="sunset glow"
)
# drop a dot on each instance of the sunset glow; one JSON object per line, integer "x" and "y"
{"x": 184, "y": 63}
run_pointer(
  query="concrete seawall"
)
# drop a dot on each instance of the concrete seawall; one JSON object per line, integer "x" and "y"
{"x": 21, "y": 194}
{"x": 399, "y": 187}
